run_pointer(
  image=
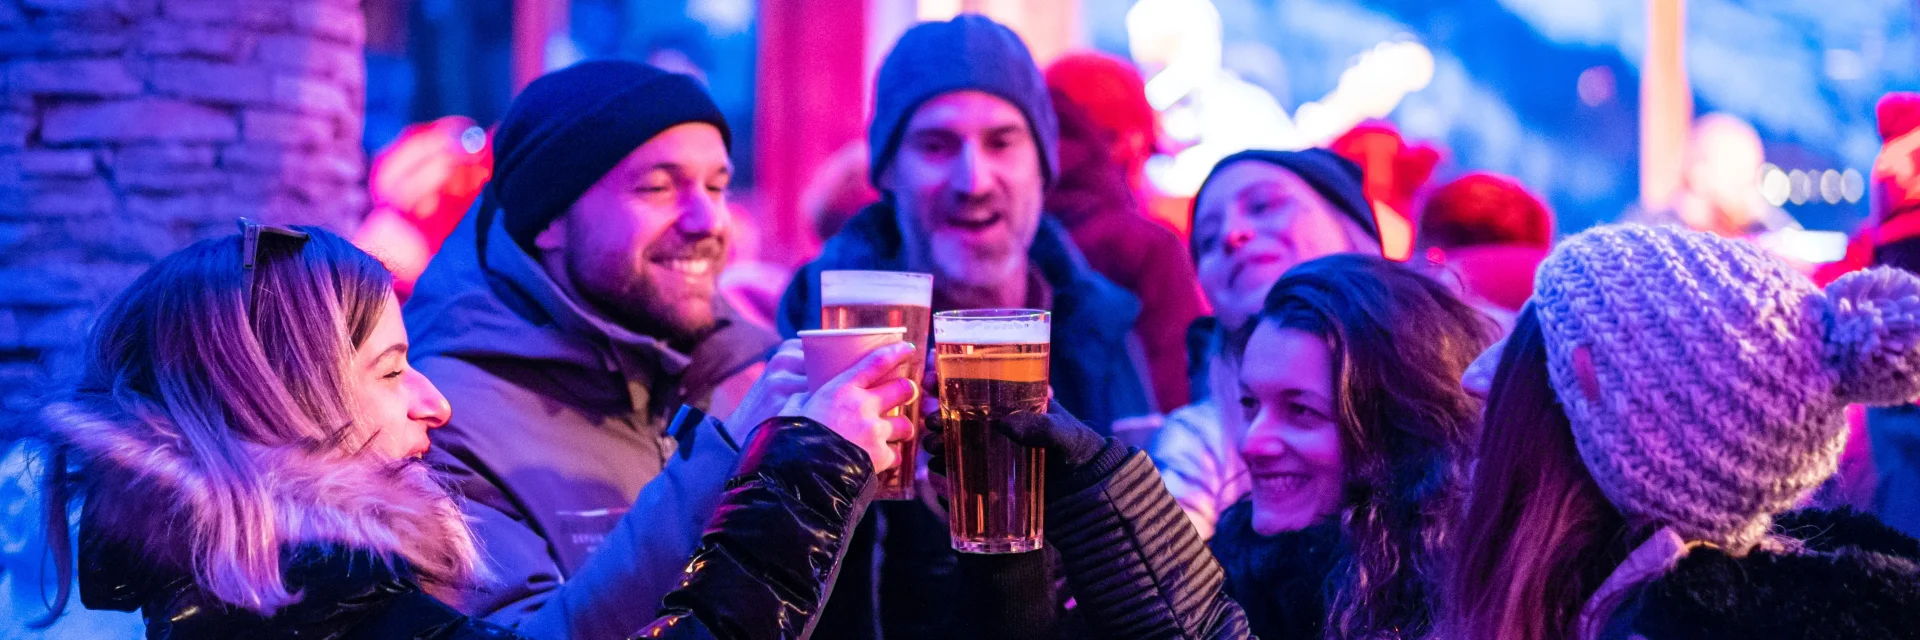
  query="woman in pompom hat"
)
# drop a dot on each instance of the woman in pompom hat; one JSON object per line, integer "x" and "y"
{"x": 1665, "y": 399}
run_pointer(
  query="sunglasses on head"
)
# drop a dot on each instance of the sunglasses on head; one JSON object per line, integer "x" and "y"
{"x": 252, "y": 235}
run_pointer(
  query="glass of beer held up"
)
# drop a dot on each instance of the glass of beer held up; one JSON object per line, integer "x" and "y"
{"x": 992, "y": 363}
{"x": 872, "y": 299}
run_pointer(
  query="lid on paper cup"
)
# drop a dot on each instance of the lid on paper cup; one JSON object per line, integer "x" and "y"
{"x": 860, "y": 331}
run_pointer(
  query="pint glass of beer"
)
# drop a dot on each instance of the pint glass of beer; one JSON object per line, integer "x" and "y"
{"x": 873, "y": 299}
{"x": 992, "y": 363}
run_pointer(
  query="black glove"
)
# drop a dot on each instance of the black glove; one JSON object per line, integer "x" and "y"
{"x": 1076, "y": 455}
{"x": 1068, "y": 441}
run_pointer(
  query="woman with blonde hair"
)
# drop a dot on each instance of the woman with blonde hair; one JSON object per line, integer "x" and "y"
{"x": 246, "y": 441}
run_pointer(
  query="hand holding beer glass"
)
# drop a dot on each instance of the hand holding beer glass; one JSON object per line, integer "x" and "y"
{"x": 855, "y": 383}
{"x": 885, "y": 299}
{"x": 992, "y": 363}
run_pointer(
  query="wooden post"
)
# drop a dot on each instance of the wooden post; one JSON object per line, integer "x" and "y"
{"x": 1666, "y": 103}
{"x": 534, "y": 23}
{"x": 808, "y": 104}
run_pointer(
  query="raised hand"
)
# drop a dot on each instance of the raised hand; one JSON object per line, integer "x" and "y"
{"x": 1068, "y": 441}
{"x": 852, "y": 403}
{"x": 784, "y": 378}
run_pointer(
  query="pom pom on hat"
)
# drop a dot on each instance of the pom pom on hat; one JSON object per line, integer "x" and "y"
{"x": 1873, "y": 336}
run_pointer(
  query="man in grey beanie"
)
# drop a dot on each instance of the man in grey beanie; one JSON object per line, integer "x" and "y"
{"x": 963, "y": 145}
{"x": 962, "y": 141}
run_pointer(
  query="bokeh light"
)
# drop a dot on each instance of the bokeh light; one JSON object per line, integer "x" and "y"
{"x": 1596, "y": 86}
{"x": 1852, "y": 186}
{"x": 473, "y": 139}
{"x": 1774, "y": 185}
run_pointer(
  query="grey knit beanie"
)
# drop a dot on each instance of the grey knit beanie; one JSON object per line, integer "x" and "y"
{"x": 1706, "y": 380}
{"x": 968, "y": 52}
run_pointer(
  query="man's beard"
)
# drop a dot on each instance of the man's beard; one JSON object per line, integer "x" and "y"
{"x": 955, "y": 261}
{"x": 647, "y": 307}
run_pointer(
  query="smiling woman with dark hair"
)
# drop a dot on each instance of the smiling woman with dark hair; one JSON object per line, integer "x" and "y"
{"x": 1357, "y": 440}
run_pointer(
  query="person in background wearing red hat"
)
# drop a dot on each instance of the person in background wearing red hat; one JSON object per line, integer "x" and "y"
{"x": 1488, "y": 232}
{"x": 421, "y": 185}
{"x": 1394, "y": 172}
{"x": 1896, "y": 187}
{"x": 1891, "y": 237}
{"x": 1106, "y": 135}
{"x": 1115, "y": 99}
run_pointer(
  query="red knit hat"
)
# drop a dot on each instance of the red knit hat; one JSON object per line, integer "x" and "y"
{"x": 1485, "y": 208}
{"x": 1896, "y": 173}
{"x": 1114, "y": 97}
{"x": 1896, "y": 187}
{"x": 1395, "y": 172}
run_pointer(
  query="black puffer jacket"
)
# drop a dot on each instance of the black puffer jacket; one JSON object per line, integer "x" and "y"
{"x": 1855, "y": 578}
{"x": 767, "y": 558}
{"x": 1135, "y": 564}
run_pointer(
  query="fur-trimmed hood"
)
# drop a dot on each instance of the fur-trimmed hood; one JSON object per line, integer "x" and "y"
{"x": 1853, "y": 578}
{"x": 145, "y": 500}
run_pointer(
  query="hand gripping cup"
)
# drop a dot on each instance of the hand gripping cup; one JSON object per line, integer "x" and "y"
{"x": 992, "y": 363}
{"x": 864, "y": 299}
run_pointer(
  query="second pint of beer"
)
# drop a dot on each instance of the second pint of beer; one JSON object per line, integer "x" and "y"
{"x": 873, "y": 299}
{"x": 992, "y": 363}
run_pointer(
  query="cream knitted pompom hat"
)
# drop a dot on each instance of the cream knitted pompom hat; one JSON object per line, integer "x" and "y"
{"x": 1706, "y": 380}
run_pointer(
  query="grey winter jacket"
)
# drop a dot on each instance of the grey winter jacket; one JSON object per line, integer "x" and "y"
{"x": 583, "y": 497}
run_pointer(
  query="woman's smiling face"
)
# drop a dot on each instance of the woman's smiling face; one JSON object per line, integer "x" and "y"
{"x": 395, "y": 404}
{"x": 1253, "y": 222}
{"x": 1292, "y": 446}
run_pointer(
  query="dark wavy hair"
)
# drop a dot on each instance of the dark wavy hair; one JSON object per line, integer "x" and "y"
{"x": 1400, "y": 342}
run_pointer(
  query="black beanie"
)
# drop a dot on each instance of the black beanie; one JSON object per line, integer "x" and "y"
{"x": 570, "y": 127}
{"x": 968, "y": 52}
{"x": 1335, "y": 178}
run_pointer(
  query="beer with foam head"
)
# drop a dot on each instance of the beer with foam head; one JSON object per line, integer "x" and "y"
{"x": 992, "y": 363}
{"x": 867, "y": 299}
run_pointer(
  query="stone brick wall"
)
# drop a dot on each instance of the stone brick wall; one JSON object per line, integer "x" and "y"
{"x": 130, "y": 128}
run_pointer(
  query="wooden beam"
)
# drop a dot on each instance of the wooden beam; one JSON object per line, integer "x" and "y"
{"x": 808, "y": 104}
{"x": 1666, "y": 103}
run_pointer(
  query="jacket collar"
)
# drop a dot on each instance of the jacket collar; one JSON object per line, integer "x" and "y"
{"x": 344, "y": 592}
{"x": 507, "y": 262}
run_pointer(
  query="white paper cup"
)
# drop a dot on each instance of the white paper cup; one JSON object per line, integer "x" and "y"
{"x": 830, "y": 352}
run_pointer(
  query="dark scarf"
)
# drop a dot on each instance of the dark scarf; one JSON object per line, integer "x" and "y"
{"x": 1280, "y": 580}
